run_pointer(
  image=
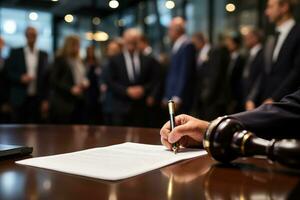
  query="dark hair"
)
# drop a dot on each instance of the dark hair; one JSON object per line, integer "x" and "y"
{"x": 235, "y": 37}
{"x": 199, "y": 36}
{"x": 257, "y": 33}
{"x": 291, "y": 4}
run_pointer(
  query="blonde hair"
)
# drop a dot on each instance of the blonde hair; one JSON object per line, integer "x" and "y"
{"x": 66, "y": 50}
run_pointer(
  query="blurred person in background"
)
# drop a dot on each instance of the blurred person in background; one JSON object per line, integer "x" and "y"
{"x": 213, "y": 98}
{"x": 131, "y": 78}
{"x": 94, "y": 71}
{"x": 114, "y": 47}
{"x": 26, "y": 69}
{"x": 181, "y": 74}
{"x": 69, "y": 84}
{"x": 281, "y": 75}
{"x": 4, "y": 89}
{"x": 153, "y": 99}
{"x": 233, "y": 43}
{"x": 203, "y": 49}
{"x": 254, "y": 64}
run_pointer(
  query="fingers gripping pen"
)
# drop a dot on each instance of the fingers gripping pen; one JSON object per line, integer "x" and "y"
{"x": 171, "y": 105}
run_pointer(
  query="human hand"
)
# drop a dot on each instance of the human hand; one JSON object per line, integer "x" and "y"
{"x": 103, "y": 88}
{"x": 150, "y": 101}
{"x": 85, "y": 84}
{"x": 135, "y": 92}
{"x": 188, "y": 132}
{"x": 45, "y": 106}
{"x": 76, "y": 90}
{"x": 268, "y": 101}
{"x": 250, "y": 105}
{"x": 26, "y": 79}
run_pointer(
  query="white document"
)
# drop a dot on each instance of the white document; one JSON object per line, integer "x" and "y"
{"x": 113, "y": 162}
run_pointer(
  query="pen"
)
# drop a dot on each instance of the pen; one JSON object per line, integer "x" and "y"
{"x": 171, "y": 105}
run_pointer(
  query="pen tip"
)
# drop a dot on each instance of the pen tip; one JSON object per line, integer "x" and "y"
{"x": 175, "y": 150}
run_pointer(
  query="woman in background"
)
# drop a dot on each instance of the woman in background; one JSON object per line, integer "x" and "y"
{"x": 94, "y": 71}
{"x": 68, "y": 84}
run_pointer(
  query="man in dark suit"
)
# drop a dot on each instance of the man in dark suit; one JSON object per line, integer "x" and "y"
{"x": 26, "y": 70}
{"x": 181, "y": 75}
{"x": 203, "y": 49}
{"x": 154, "y": 111}
{"x": 210, "y": 92}
{"x": 233, "y": 43}
{"x": 253, "y": 66}
{"x": 282, "y": 55}
{"x": 276, "y": 120}
{"x": 130, "y": 78}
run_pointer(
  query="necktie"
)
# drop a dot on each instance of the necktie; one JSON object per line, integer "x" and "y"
{"x": 133, "y": 67}
{"x": 276, "y": 36}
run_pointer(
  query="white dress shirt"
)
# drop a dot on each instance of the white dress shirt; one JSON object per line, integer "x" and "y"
{"x": 31, "y": 61}
{"x": 78, "y": 71}
{"x": 284, "y": 29}
{"x": 233, "y": 56}
{"x": 203, "y": 54}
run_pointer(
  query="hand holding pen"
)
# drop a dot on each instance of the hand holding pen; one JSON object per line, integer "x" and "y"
{"x": 171, "y": 106}
{"x": 188, "y": 132}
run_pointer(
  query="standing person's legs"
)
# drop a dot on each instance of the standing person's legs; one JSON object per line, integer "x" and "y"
{"x": 137, "y": 115}
{"x": 31, "y": 110}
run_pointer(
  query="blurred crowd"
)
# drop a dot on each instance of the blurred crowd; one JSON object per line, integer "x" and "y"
{"x": 131, "y": 84}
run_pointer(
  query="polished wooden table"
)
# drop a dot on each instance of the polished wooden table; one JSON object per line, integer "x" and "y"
{"x": 199, "y": 178}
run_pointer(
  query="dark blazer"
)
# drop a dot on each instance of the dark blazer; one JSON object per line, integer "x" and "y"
{"x": 277, "y": 120}
{"x": 283, "y": 77}
{"x": 4, "y": 83}
{"x": 158, "y": 78}
{"x": 62, "y": 101}
{"x": 213, "y": 87}
{"x": 235, "y": 91}
{"x": 255, "y": 71}
{"x": 118, "y": 82}
{"x": 16, "y": 67}
{"x": 181, "y": 75}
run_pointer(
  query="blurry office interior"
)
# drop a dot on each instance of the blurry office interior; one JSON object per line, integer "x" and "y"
{"x": 48, "y": 16}
{"x": 97, "y": 22}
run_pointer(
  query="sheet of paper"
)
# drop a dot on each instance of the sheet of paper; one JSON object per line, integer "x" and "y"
{"x": 113, "y": 162}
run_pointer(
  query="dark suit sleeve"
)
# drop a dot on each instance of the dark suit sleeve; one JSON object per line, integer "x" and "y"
{"x": 292, "y": 81}
{"x": 254, "y": 91}
{"x": 153, "y": 84}
{"x": 187, "y": 65}
{"x": 45, "y": 76}
{"x": 111, "y": 79}
{"x": 277, "y": 120}
{"x": 257, "y": 78}
{"x": 14, "y": 71}
{"x": 58, "y": 70}
{"x": 218, "y": 62}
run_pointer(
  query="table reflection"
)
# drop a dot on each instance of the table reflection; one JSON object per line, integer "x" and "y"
{"x": 187, "y": 171}
{"x": 244, "y": 182}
